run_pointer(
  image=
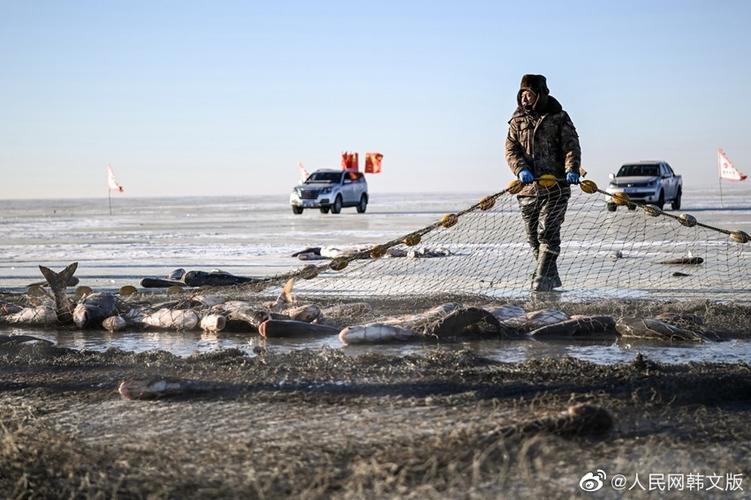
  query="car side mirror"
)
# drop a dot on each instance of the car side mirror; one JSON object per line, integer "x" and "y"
{"x": 611, "y": 176}
{"x": 347, "y": 181}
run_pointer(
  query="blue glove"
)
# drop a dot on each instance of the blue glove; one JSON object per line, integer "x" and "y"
{"x": 526, "y": 176}
{"x": 572, "y": 178}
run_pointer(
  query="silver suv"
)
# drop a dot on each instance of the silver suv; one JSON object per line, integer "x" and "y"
{"x": 329, "y": 189}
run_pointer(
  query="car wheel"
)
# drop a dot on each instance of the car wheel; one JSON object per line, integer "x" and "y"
{"x": 337, "y": 206}
{"x": 324, "y": 210}
{"x": 297, "y": 210}
{"x": 661, "y": 200}
{"x": 363, "y": 205}
{"x": 677, "y": 201}
{"x": 611, "y": 207}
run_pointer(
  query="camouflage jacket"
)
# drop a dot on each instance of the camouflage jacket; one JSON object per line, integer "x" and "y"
{"x": 544, "y": 143}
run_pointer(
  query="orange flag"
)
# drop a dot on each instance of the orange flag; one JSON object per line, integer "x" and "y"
{"x": 373, "y": 163}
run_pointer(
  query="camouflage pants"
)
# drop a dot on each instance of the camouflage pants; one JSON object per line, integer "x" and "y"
{"x": 543, "y": 216}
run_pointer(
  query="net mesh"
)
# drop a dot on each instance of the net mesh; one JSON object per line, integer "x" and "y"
{"x": 636, "y": 251}
{"x": 631, "y": 262}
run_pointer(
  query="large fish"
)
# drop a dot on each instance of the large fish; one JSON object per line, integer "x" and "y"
{"x": 448, "y": 320}
{"x": 177, "y": 274}
{"x": 398, "y": 328}
{"x": 375, "y": 333}
{"x": 114, "y": 323}
{"x": 150, "y": 282}
{"x": 425, "y": 322}
{"x": 506, "y": 311}
{"x": 167, "y": 319}
{"x": 157, "y": 388}
{"x": 273, "y": 328}
{"x": 41, "y": 315}
{"x": 655, "y": 329}
{"x": 244, "y": 317}
{"x": 535, "y": 319}
{"x": 578, "y": 327}
{"x": 8, "y": 308}
{"x": 93, "y": 309}
{"x": 310, "y": 313}
{"x": 208, "y": 300}
{"x": 213, "y": 323}
{"x": 215, "y": 278}
{"x": 310, "y": 253}
{"x": 58, "y": 283}
{"x": 468, "y": 322}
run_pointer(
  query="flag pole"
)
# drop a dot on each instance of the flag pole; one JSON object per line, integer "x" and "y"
{"x": 719, "y": 179}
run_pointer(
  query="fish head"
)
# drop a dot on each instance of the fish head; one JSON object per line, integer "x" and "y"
{"x": 82, "y": 316}
{"x": 260, "y": 316}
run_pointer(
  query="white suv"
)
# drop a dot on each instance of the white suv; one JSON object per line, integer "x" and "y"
{"x": 329, "y": 189}
{"x": 652, "y": 182}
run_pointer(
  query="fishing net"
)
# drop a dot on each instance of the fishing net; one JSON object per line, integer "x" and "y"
{"x": 607, "y": 260}
{"x": 636, "y": 251}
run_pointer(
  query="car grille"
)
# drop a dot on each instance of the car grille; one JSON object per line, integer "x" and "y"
{"x": 309, "y": 195}
{"x": 633, "y": 184}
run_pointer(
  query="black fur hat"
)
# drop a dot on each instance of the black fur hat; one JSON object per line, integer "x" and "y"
{"x": 537, "y": 84}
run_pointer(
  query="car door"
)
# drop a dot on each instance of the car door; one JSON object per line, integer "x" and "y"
{"x": 350, "y": 187}
{"x": 671, "y": 179}
{"x": 665, "y": 181}
{"x": 358, "y": 187}
{"x": 346, "y": 188}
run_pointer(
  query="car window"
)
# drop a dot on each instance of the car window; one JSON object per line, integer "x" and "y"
{"x": 670, "y": 169}
{"x": 643, "y": 169}
{"x": 324, "y": 177}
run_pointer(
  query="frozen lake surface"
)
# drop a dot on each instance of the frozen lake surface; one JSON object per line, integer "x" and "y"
{"x": 254, "y": 236}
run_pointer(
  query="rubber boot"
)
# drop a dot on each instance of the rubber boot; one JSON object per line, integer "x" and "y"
{"x": 556, "y": 278}
{"x": 554, "y": 273}
{"x": 546, "y": 274}
{"x": 533, "y": 275}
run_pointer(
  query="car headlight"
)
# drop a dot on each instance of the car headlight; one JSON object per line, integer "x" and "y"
{"x": 325, "y": 190}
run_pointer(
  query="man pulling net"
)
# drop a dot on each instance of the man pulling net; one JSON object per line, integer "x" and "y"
{"x": 542, "y": 140}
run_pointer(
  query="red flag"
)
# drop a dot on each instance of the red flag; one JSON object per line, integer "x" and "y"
{"x": 727, "y": 169}
{"x": 112, "y": 182}
{"x": 350, "y": 162}
{"x": 373, "y": 163}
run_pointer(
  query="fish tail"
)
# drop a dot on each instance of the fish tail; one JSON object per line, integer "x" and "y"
{"x": 58, "y": 281}
{"x": 286, "y": 294}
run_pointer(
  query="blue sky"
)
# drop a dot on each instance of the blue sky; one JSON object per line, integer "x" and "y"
{"x": 212, "y": 98}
